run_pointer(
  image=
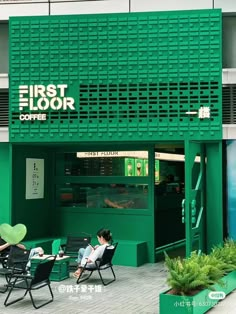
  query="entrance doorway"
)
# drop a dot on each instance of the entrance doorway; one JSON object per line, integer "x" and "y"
{"x": 169, "y": 193}
{"x": 188, "y": 205}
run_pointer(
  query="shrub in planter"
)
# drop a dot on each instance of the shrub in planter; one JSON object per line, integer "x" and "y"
{"x": 192, "y": 279}
{"x": 226, "y": 255}
{"x": 188, "y": 276}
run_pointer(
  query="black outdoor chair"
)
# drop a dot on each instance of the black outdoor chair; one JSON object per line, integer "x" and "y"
{"x": 31, "y": 283}
{"x": 15, "y": 263}
{"x": 73, "y": 244}
{"x": 105, "y": 262}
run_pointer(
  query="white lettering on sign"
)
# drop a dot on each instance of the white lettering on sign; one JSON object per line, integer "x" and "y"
{"x": 140, "y": 154}
{"x": 217, "y": 295}
{"x": 204, "y": 112}
{"x": 33, "y": 116}
{"x": 42, "y": 98}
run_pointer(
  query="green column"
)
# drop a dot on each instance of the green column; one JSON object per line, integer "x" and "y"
{"x": 5, "y": 182}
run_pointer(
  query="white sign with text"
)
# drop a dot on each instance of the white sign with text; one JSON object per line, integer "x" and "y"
{"x": 34, "y": 178}
{"x": 41, "y": 98}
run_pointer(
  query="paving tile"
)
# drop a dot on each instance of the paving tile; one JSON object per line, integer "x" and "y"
{"x": 136, "y": 291}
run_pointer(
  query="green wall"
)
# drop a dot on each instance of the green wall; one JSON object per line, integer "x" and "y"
{"x": 36, "y": 214}
{"x": 131, "y": 76}
{"x": 123, "y": 226}
{"x": 5, "y": 183}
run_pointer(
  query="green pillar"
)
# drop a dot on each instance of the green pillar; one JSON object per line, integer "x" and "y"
{"x": 5, "y": 182}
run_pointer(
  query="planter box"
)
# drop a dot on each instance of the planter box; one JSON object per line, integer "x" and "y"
{"x": 199, "y": 303}
{"x": 60, "y": 269}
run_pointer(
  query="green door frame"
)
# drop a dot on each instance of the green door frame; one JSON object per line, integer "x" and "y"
{"x": 202, "y": 206}
{"x": 193, "y": 206}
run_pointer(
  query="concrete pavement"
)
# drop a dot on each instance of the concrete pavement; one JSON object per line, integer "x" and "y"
{"x": 136, "y": 291}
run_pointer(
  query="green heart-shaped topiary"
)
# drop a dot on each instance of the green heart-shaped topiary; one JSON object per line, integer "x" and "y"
{"x": 12, "y": 235}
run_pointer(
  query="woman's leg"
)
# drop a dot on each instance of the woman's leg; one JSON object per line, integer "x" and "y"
{"x": 86, "y": 254}
{"x": 80, "y": 255}
{"x": 33, "y": 252}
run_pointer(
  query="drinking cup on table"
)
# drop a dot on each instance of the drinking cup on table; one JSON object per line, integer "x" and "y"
{"x": 41, "y": 252}
{"x": 61, "y": 253}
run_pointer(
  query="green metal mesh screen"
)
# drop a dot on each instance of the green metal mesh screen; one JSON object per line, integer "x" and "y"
{"x": 132, "y": 76}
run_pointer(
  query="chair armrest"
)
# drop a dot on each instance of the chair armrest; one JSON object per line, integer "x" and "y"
{"x": 22, "y": 276}
{"x": 20, "y": 261}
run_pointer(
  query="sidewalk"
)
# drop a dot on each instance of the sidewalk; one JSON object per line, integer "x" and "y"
{"x": 136, "y": 291}
{"x": 227, "y": 306}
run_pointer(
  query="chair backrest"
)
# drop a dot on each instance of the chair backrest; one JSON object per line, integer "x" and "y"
{"x": 43, "y": 270}
{"x": 73, "y": 244}
{"x": 108, "y": 254}
{"x": 3, "y": 260}
{"x": 18, "y": 258}
{"x": 56, "y": 246}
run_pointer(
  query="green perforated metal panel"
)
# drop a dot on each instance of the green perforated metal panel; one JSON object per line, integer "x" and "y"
{"x": 131, "y": 76}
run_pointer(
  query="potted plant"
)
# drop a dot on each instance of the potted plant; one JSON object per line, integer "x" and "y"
{"x": 197, "y": 283}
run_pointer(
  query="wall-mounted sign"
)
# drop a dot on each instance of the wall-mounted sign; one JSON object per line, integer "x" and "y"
{"x": 34, "y": 178}
{"x": 143, "y": 154}
{"x": 42, "y": 98}
{"x": 204, "y": 113}
{"x": 137, "y": 154}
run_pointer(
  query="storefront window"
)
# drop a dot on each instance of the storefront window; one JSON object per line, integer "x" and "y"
{"x": 103, "y": 195}
{"x": 106, "y": 163}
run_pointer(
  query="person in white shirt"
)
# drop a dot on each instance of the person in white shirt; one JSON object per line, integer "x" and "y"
{"x": 91, "y": 254}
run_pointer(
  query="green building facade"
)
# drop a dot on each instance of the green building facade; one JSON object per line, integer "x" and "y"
{"x": 86, "y": 86}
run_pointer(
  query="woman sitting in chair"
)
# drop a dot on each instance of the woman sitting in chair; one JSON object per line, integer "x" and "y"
{"x": 5, "y": 250}
{"x": 5, "y": 247}
{"x": 91, "y": 254}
